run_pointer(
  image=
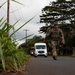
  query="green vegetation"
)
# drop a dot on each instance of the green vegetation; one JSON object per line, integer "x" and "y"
{"x": 30, "y": 43}
{"x": 63, "y": 12}
{"x": 11, "y": 58}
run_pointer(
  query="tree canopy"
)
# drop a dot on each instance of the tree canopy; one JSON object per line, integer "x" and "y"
{"x": 62, "y": 12}
{"x": 58, "y": 12}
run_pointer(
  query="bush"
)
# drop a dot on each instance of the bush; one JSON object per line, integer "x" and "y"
{"x": 11, "y": 58}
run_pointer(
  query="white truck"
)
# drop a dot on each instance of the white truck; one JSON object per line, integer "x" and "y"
{"x": 40, "y": 49}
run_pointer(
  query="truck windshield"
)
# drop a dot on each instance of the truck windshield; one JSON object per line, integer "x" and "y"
{"x": 40, "y": 46}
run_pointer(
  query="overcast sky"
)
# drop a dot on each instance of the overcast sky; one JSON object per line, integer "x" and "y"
{"x": 24, "y": 13}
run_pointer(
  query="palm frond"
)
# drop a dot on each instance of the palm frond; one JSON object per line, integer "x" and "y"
{"x": 25, "y": 37}
{"x": 21, "y": 26}
{"x": 15, "y": 23}
{"x": 4, "y": 28}
{"x": 17, "y": 2}
{"x": 2, "y": 57}
{"x": 2, "y": 4}
{"x": 1, "y": 19}
{"x": 2, "y": 22}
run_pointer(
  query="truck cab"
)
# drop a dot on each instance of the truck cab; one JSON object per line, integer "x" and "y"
{"x": 40, "y": 49}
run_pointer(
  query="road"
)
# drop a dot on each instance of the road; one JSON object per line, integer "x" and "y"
{"x": 48, "y": 66}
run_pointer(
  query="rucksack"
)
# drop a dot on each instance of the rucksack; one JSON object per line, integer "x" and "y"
{"x": 56, "y": 35}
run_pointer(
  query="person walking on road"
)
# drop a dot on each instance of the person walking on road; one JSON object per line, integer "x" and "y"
{"x": 56, "y": 37}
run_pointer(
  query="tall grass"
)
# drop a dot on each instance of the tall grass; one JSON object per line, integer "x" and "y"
{"x": 11, "y": 58}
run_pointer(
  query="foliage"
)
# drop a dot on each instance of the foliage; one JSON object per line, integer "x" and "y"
{"x": 11, "y": 58}
{"x": 30, "y": 43}
{"x": 63, "y": 12}
{"x": 58, "y": 12}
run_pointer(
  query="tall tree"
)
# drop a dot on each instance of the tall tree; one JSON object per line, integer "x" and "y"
{"x": 58, "y": 11}
{"x": 63, "y": 12}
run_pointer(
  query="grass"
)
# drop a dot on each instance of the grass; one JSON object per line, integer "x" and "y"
{"x": 11, "y": 58}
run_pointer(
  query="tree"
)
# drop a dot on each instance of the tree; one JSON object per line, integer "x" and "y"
{"x": 58, "y": 12}
{"x": 30, "y": 43}
{"x": 63, "y": 12}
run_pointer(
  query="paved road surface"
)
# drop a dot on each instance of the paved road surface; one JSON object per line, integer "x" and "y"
{"x": 48, "y": 66}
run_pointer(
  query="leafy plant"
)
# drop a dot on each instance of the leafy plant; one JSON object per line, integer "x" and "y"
{"x": 11, "y": 58}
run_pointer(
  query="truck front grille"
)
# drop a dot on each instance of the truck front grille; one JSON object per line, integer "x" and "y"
{"x": 40, "y": 51}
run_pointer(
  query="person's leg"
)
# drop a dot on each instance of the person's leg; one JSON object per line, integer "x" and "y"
{"x": 54, "y": 52}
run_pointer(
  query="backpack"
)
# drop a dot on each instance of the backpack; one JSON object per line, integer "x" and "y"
{"x": 55, "y": 35}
